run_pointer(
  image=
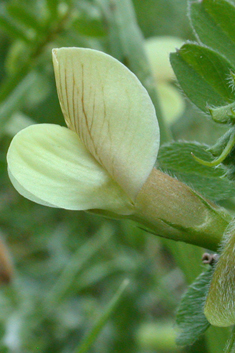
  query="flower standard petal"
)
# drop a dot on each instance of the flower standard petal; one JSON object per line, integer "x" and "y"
{"x": 50, "y": 165}
{"x": 111, "y": 111}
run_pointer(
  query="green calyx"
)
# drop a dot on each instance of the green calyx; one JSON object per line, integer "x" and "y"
{"x": 220, "y": 305}
{"x": 223, "y": 115}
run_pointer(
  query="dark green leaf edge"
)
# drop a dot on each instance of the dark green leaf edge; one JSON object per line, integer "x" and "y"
{"x": 190, "y": 319}
{"x": 208, "y": 32}
{"x": 178, "y": 162}
{"x": 177, "y": 156}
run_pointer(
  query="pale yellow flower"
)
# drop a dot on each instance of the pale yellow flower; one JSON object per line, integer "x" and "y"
{"x": 103, "y": 161}
{"x": 105, "y": 155}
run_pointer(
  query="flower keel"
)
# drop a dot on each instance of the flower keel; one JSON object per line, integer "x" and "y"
{"x": 49, "y": 164}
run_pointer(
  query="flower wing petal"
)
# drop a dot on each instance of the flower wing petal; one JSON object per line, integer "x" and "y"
{"x": 50, "y": 165}
{"x": 111, "y": 111}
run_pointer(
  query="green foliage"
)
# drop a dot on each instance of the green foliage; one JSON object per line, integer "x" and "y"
{"x": 208, "y": 71}
{"x": 88, "y": 21}
{"x": 210, "y": 25}
{"x": 190, "y": 317}
{"x": 91, "y": 337}
{"x": 230, "y": 347}
{"x": 24, "y": 17}
{"x": 177, "y": 156}
{"x": 205, "y": 72}
{"x": 177, "y": 159}
{"x": 15, "y": 99}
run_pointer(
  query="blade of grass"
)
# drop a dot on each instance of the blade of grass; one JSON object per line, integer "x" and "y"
{"x": 9, "y": 83}
{"x": 77, "y": 262}
{"x": 87, "y": 342}
{"x": 15, "y": 99}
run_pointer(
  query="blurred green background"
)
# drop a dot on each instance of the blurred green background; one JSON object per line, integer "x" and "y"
{"x": 68, "y": 265}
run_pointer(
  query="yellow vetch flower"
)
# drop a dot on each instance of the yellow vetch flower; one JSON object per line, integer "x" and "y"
{"x": 158, "y": 50}
{"x": 104, "y": 160}
{"x": 104, "y": 156}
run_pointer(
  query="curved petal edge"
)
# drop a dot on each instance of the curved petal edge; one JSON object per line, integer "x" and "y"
{"x": 49, "y": 164}
{"x": 108, "y": 107}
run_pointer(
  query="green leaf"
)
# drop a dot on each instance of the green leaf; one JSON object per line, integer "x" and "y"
{"x": 176, "y": 158}
{"x": 223, "y": 12}
{"x": 211, "y": 20}
{"x": 190, "y": 317}
{"x": 211, "y": 188}
{"x": 203, "y": 75}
